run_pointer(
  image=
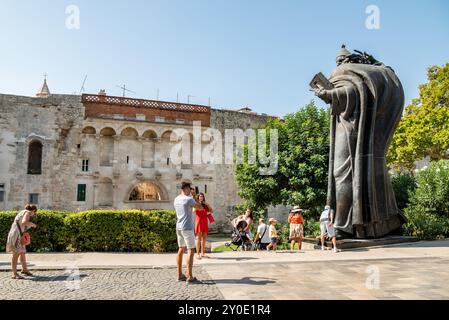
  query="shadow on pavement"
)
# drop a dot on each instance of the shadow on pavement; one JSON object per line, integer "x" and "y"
{"x": 245, "y": 280}
{"x": 55, "y": 278}
{"x": 236, "y": 258}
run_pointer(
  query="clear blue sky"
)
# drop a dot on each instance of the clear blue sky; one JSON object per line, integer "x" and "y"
{"x": 247, "y": 52}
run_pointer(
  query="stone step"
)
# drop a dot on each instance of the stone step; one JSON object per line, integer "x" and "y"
{"x": 361, "y": 243}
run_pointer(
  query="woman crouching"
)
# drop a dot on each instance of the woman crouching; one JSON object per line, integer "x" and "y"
{"x": 16, "y": 243}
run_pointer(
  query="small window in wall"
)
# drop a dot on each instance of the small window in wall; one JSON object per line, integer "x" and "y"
{"x": 205, "y": 188}
{"x": 33, "y": 198}
{"x": 168, "y": 161}
{"x": 35, "y": 158}
{"x": 2, "y": 192}
{"x": 85, "y": 166}
{"x": 180, "y": 121}
{"x": 81, "y": 194}
{"x": 160, "y": 119}
{"x": 127, "y": 159}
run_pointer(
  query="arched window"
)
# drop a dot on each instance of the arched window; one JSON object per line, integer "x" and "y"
{"x": 89, "y": 130}
{"x": 146, "y": 191}
{"x": 35, "y": 158}
{"x": 129, "y": 132}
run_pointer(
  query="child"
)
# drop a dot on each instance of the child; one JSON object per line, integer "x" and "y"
{"x": 273, "y": 234}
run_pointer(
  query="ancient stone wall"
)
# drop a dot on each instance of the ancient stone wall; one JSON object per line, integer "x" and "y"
{"x": 54, "y": 122}
{"x": 226, "y": 192}
{"x": 121, "y": 153}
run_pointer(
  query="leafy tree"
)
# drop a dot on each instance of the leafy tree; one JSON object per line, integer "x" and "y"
{"x": 424, "y": 129}
{"x": 303, "y": 153}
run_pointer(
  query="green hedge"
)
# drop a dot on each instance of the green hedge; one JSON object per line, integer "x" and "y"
{"x": 49, "y": 236}
{"x": 99, "y": 230}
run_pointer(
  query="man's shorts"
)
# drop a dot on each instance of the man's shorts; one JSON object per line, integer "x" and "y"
{"x": 274, "y": 241}
{"x": 325, "y": 228}
{"x": 186, "y": 239}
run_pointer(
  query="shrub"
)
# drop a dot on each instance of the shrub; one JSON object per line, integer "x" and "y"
{"x": 50, "y": 232}
{"x": 404, "y": 183}
{"x": 98, "y": 230}
{"x": 425, "y": 225}
{"x": 283, "y": 230}
{"x": 48, "y": 236}
{"x": 432, "y": 190}
{"x": 6, "y": 219}
{"x": 311, "y": 228}
{"x": 122, "y": 231}
{"x": 428, "y": 211}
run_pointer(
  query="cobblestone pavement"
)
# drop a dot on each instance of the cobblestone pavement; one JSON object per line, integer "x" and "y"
{"x": 411, "y": 278}
{"x": 128, "y": 284}
{"x": 423, "y": 278}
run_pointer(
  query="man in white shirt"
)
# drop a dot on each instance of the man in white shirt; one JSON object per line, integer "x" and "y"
{"x": 262, "y": 236}
{"x": 327, "y": 227}
{"x": 184, "y": 203}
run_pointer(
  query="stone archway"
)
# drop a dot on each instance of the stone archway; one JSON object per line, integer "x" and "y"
{"x": 147, "y": 191}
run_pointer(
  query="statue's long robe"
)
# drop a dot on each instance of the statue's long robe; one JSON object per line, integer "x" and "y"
{"x": 367, "y": 103}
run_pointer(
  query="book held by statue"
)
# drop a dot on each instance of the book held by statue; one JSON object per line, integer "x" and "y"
{"x": 320, "y": 81}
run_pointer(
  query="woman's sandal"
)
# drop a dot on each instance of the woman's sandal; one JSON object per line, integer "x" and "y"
{"x": 17, "y": 277}
{"x": 193, "y": 280}
{"x": 27, "y": 273}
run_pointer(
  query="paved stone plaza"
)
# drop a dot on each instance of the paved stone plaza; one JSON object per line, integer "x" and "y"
{"x": 116, "y": 284}
{"x": 342, "y": 280}
{"x": 406, "y": 271}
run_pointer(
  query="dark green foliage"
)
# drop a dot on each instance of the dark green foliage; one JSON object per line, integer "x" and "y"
{"x": 301, "y": 178}
{"x": 48, "y": 236}
{"x": 403, "y": 184}
{"x": 99, "y": 230}
{"x": 428, "y": 211}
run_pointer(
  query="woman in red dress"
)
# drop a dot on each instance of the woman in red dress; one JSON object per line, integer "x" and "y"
{"x": 201, "y": 225}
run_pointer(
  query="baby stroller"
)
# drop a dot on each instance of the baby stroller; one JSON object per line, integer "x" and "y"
{"x": 240, "y": 238}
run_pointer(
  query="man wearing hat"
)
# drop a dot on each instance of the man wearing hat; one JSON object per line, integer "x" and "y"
{"x": 273, "y": 234}
{"x": 296, "y": 221}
